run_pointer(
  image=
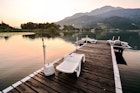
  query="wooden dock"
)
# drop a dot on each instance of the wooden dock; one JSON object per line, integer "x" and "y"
{"x": 97, "y": 75}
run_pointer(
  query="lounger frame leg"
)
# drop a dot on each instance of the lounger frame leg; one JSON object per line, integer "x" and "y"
{"x": 78, "y": 70}
{"x": 57, "y": 73}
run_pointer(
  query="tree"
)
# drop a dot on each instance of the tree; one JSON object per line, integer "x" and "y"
{"x": 5, "y": 26}
{"x": 99, "y": 32}
{"x": 68, "y": 28}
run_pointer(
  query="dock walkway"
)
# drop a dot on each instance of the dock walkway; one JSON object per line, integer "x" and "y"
{"x": 97, "y": 75}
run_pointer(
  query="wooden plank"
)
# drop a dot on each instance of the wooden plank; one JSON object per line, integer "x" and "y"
{"x": 14, "y": 91}
{"x": 82, "y": 85}
{"x": 68, "y": 83}
{"x": 60, "y": 87}
{"x": 25, "y": 89}
{"x": 96, "y": 76}
{"x": 99, "y": 63}
{"x": 103, "y": 82}
{"x": 39, "y": 87}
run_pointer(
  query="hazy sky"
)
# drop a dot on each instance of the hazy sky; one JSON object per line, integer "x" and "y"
{"x": 15, "y": 12}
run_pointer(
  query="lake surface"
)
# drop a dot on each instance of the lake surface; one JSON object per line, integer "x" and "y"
{"x": 130, "y": 72}
{"x": 22, "y": 54}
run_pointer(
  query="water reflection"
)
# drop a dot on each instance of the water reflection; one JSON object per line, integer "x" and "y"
{"x": 31, "y": 36}
{"x": 5, "y": 37}
{"x": 130, "y": 73}
{"x": 34, "y": 36}
{"x": 133, "y": 38}
{"x": 120, "y": 59}
{"x": 67, "y": 38}
{"x": 22, "y": 55}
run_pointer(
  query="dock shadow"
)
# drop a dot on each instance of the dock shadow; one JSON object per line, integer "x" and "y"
{"x": 120, "y": 59}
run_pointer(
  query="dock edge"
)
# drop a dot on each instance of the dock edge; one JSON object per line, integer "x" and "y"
{"x": 118, "y": 86}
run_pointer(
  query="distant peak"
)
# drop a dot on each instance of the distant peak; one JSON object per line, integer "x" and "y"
{"x": 110, "y": 7}
{"x": 107, "y": 6}
{"x": 103, "y": 10}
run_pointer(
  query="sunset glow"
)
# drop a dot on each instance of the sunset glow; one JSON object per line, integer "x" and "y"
{"x": 15, "y": 12}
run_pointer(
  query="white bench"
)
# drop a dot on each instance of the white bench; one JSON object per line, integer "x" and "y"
{"x": 71, "y": 64}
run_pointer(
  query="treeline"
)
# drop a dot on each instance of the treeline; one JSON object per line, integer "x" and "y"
{"x": 31, "y": 25}
{"x": 5, "y": 26}
{"x": 47, "y": 29}
{"x": 69, "y": 28}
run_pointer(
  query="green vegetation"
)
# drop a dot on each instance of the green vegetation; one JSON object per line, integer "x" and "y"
{"x": 41, "y": 29}
{"x": 53, "y": 30}
{"x": 69, "y": 28}
{"x": 31, "y": 25}
{"x": 5, "y": 27}
{"x": 47, "y": 29}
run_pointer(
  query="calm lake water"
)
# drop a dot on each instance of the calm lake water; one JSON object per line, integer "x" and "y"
{"x": 130, "y": 72}
{"x": 20, "y": 55}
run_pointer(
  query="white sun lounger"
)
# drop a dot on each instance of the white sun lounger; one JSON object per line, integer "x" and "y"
{"x": 90, "y": 40}
{"x": 71, "y": 64}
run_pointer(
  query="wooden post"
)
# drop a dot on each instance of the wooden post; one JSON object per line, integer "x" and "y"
{"x": 118, "y": 37}
{"x": 44, "y": 51}
{"x": 113, "y": 38}
{"x": 86, "y": 38}
{"x": 49, "y": 68}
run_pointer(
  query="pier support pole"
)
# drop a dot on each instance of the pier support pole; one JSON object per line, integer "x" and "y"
{"x": 119, "y": 50}
{"x": 86, "y": 38}
{"x": 44, "y": 51}
{"x": 49, "y": 68}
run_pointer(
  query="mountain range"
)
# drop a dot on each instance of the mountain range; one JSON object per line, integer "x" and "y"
{"x": 113, "y": 17}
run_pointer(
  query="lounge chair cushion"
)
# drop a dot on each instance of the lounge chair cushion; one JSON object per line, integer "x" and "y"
{"x": 71, "y": 63}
